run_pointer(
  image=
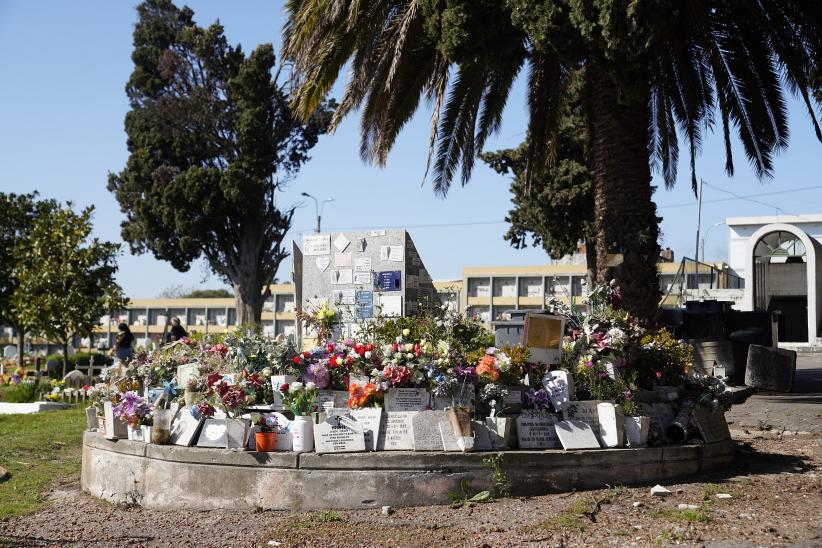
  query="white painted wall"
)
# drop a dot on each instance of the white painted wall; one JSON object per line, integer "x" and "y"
{"x": 740, "y": 230}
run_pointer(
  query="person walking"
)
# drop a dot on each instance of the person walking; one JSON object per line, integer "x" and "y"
{"x": 177, "y": 331}
{"x": 123, "y": 352}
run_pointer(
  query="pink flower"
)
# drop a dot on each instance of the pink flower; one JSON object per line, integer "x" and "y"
{"x": 600, "y": 341}
{"x": 602, "y": 374}
{"x": 589, "y": 364}
{"x": 659, "y": 374}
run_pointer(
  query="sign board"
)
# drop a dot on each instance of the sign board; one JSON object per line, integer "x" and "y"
{"x": 390, "y": 280}
{"x": 543, "y": 337}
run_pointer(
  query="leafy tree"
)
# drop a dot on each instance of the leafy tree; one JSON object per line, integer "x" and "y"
{"x": 65, "y": 278}
{"x": 652, "y": 68}
{"x": 18, "y": 212}
{"x": 211, "y": 140}
{"x": 208, "y": 294}
{"x": 555, "y": 206}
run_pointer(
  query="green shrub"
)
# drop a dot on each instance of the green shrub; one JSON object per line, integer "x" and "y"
{"x": 78, "y": 358}
{"x": 23, "y": 392}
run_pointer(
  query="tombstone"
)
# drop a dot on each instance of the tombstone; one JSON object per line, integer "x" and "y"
{"x": 370, "y": 418}
{"x": 611, "y": 424}
{"x": 560, "y": 387}
{"x": 535, "y": 430}
{"x": 443, "y": 403}
{"x": 9, "y": 351}
{"x": 185, "y": 372}
{"x": 184, "y": 429}
{"x": 711, "y": 424}
{"x": 449, "y": 440}
{"x": 586, "y": 411}
{"x": 574, "y": 434}
{"x": 214, "y": 433}
{"x": 339, "y": 434}
{"x": 91, "y": 419}
{"x": 396, "y": 431}
{"x": 482, "y": 436}
{"x": 770, "y": 368}
{"x": 74, "y": 379}
{"x": 407, "y": 399}
{"x": 328, "y": 399}
{"x": 426, "y": 430}
{"x": 512, "y": 402}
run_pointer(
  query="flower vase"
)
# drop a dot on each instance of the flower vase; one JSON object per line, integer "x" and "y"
{"x": 500, "y": 429}
{"x": 302, "y": 432}
{"x": 136, "y": 433}
{"x": 161, "y": 431}
{"x": 266, "y": 441}
{"x": 636, "y": 431}
{"x": 236, "y": 433}
{"x": 460, "y": 421}
{"x": 146, "y": 433}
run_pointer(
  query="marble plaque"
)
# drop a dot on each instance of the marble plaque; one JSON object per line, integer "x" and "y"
{"x": 214, "y": 433}
{"x": 426, "y": 430}
{"x": 711, "y": 424}
{"x": 370, "y": 418}
{"x": 185, "y": 372}
{"x": 611, "y": 424}
{"x": 396, "y": 431}
{"x": 339, "y": 434}
{"x": 585, "y": 411}
{"x": 449, "y": 440}
{"x": 574, "y": 434}
{"x": 319, "y": 244}
{"x": 535, "y": 430}
{"x": 115, "y": 428}
{"x": 500, "y": 429}
{"x": 482, "y": 436}
{"x": 407, "y": 399}
{"x": 328, "y": 399}
{"x": 560, "y": 387}
{"x": 440, "y": 404}
{"x": 184, "y": 428}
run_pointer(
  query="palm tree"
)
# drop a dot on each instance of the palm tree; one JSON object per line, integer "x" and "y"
{"x": 653, "y": 69}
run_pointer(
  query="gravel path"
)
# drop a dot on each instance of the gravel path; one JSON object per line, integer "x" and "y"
{"x": 775, "y": 486}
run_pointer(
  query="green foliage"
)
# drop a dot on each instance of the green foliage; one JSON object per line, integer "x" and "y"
{"x": 702, "y": 514}
{"x": 66, "y": 278}
{"x": 329, "y": 516}
{"x": 556, "y": 205}
{"x": 211, "y": 141}
{"x": 25, "y": 392}
{"x": 208, "y": 294}
{"x": 660, "y": 359}
{"x": 80, "y": 358}
{"x": 463, "y": 499}
{"x": 38, "y": 450}
{"x": 502, "y": 484}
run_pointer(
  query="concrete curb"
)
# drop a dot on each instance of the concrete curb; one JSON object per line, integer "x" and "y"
{"x": 188, "y": 478}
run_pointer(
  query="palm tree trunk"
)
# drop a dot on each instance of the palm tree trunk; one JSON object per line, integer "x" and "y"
{"x": 624, "y": 213}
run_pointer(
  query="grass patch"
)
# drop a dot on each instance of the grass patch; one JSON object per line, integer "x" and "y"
{"x": 329, "y": 516}
{"x": 582, "y": 512}
{"x": 37, "y": 450}
{"x": 699, "y": 515}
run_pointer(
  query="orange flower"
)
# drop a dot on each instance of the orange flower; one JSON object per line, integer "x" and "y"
{"x": 353, "y": 388}
{"x": 488, "y": 368}
{"x": 370, "y": 389}
{"x": 352, "y": 402}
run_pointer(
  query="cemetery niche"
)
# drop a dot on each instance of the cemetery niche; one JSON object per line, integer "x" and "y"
{"x": 416, "y": 389}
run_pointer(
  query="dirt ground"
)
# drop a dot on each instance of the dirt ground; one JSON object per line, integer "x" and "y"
{"x": 775, "y": 486}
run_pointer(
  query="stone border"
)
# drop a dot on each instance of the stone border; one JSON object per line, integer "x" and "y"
{"x": 166, "y": 477}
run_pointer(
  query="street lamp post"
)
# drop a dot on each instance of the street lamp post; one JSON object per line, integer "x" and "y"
{"x": 318, "y": 208}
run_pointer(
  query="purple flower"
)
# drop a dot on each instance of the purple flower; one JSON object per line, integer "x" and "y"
{"x": 318, "y": 374}
{"x": 589, "y": 364}
{"x": 602, "y": 374}
{"x": 491, "y": 350}
{"x": 629, "y": 395}
{"x": 619, "y": 362}
{"x": 538, "y": 399}
{"x": 466, "y": 374}
{"x": 348, "y": 342}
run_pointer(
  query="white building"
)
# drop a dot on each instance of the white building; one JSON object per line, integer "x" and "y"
{"x": 780, "y": 259}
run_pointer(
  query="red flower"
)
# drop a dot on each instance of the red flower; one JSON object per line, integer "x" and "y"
{"x": 296, "y": 360}
{"x": 284, "y": 387}
{"x": 329, "y": 347}
{"x": 213, "y": 379}
{"x": 369, "y": 347}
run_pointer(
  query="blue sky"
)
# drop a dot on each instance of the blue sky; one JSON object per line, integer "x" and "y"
{"x": 62, "y": 102}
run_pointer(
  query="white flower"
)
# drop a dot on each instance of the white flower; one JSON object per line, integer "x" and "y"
{"x": 503, "y": 361}
{"x": 410, "y": 355}
{"x": 399, "y": 340}
{"x": 409, "y": 347}
{"x": 367, "y": 355}
{"x": 266, "y": 372}
{"x": 310, "y": 385}
{"x": 295, "y": 387}
{"x": 406, "y": 332}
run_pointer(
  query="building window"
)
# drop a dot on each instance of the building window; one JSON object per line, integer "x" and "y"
{"x": 479, "y": 287}
{"x": 285, "y": 303}
{"x": 530, "y": 287}
{"x": 505, "y": 287}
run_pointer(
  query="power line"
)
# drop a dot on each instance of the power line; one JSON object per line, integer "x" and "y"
{"x": 683, "y": 204}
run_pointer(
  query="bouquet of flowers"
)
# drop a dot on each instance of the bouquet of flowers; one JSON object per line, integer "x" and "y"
{"x": 246, "y": 351}
{"x": 299, "y": 398}
{"x": 322, "y": 321}
{"x": 367, "y": 395}
{"x": 267, "y": 423}
{"x": 405, "y": 364}
{"x": 134, "y": 410}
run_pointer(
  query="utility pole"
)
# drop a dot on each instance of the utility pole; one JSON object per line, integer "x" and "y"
{"x": 698, "y": 222}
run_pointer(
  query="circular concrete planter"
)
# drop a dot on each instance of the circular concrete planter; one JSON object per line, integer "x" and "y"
{"x": 188, "y": 478}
